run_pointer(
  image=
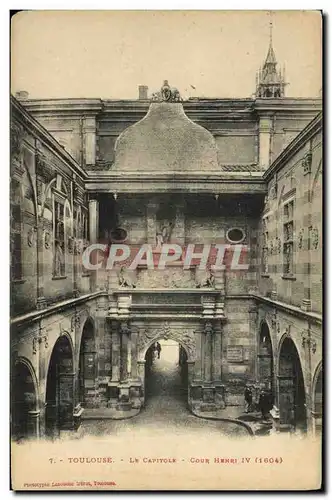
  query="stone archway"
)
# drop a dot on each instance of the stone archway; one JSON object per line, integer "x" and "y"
{"x": 265, "y": 359}
{"x": 292, "y": 401}
{"x": 24, "y": 408}
{"x": 60, "y": 389}
{"x": 148, "y": 337}
{"x": 87, "y": 372}
{"x": 166, "y": 374}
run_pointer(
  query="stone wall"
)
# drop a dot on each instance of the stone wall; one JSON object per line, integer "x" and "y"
{"x": 43, "y": 174}
{"x": 300, "y": 184}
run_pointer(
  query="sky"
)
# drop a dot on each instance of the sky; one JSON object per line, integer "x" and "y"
{"x": 107, "y": 54}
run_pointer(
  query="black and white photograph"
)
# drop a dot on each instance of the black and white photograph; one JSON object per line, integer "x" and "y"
{"x": 166, "y": 250}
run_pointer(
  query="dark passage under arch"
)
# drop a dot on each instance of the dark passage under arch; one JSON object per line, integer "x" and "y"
{"x": 59, "y": 389}
{"x": 291, "y": 388}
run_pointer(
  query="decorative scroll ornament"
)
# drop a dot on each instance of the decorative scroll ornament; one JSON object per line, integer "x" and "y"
{"x": 16, "y": 144}
{"x": 166, "y": 331}
{"x": 167, "y": 93}
{"x": 147, "y": 337}
{"x": 124, "y": 328}
{"x": 273, "y": 192}
{"x": 71, "y": 244}
{"x": 301, "y": 238}
{"x": 306, "y": 163}
{"x": 75, "y": 322}
{"x": 315, "y": 238}
{"x": 38, "y": 339}
{"x": 47, "y": 240}
{"x": 31, "y": 236}
{"x": 307, "y": 341}
{"x": 278, "y": 244}
{"x": 271, "y": 248}
{"x": 208, "y": 328}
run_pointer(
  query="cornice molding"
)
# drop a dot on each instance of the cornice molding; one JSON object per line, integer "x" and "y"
{"x": 31, "y": 124}
{"x": 295, "y": 145}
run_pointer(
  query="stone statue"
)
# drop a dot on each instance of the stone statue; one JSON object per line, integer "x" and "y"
{"x": 59, "y": 260}
{"x": 126, "y": 279}
{"x": 164, "y": 234}
{"x": 204, "y": 279}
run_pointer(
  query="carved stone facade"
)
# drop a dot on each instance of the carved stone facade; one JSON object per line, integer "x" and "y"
{"x": 95, "y": 328}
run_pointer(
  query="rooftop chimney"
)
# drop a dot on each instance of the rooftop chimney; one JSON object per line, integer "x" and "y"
{"x": 143, "y": 92}
{"x": 22, "y": 94}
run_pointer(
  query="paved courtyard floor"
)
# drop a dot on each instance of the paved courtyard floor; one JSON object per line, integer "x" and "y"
{"x": 165, "y": 411}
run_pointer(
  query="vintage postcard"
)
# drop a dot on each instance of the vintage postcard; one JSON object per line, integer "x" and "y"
{"x": 166, "y": 250}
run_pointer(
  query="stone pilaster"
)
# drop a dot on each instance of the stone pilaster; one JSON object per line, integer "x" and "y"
{"x": 217, "y": 352}
{"x": 125, "y": 344}
{"x": 89, "y": 130}
{"x": 199, "y": 356}
{"x": 93, "y": 235}
{"x": 151, "y": 222}
{"x": 265, "y": 129}
{"x": 208, "y": 340}
{"x": 115, "y": 352}
{"x": 134, "y": 354}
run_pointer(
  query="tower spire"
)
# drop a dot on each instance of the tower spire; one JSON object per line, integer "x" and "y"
{"x": 271, "y": 82}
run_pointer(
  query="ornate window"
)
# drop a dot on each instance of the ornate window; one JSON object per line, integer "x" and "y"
{"x": 59, "y": 266}
{"x": 288, "y": 232}
{"x": 84, "y": 231}
{"x": 16, "y": 231}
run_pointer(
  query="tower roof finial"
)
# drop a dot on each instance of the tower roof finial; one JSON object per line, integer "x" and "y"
{"x": 271, "y": 82}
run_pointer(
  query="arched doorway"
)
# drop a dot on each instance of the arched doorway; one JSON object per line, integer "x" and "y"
{"x": 318, "y": 401}
{"x": 87, "y": 365}
{"x": 24, "y": 402}
{"x": 166, "y": 375}
{"x": 265, "y": 360}
{"x": 60, "y": 389}
{"x": 291, "y": 388}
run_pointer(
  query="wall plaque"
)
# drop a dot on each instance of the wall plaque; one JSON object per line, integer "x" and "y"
{"x": 235, "y": 354}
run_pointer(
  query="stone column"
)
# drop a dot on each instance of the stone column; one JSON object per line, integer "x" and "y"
{"x": 199, "y": 356}
{"x": 306, "y": 346}
{"x": 33, "y": 423}
{"x": 93, "y": 221}
{"x": 124, "y": 338}
{"x": 134, "y": 354}
{"x": 115, "y": 352}
{"x": 89, "y": 129}
{"x": 93, "y": 236}
{"x": 208, "y": 338}
{"x": 40, "y": 167}
{"x": 41, "y": 301}
{"x": 217, "y": 352}
{"x": 304, "y": 236}
{"x": 265, "y": 129}
{"x": 190, "y": 365}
